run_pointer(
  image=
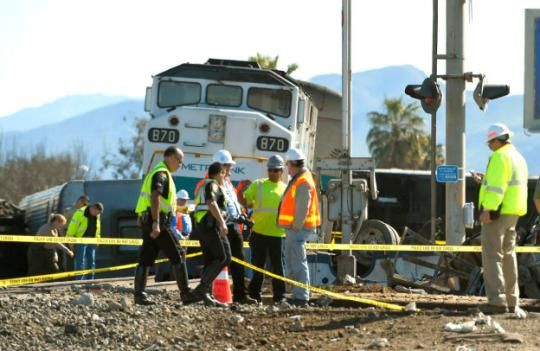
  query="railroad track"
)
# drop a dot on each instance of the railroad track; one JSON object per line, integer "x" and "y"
{"x": 428, "y": 302}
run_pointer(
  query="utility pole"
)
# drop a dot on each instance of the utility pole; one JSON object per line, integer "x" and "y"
{"x": 455, "y": 120}
{"x": 433, "y": 166}
{"x": 346, "y": 261}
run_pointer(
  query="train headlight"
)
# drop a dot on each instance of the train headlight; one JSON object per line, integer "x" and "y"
{"x": 173, "y": 121}
{"x": 216, "y": 129}
{"x": 264, "y": 128}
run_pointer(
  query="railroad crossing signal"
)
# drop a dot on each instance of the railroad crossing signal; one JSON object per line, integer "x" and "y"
{"x": 428, "y": 93}
{"x": 483, "y": 93}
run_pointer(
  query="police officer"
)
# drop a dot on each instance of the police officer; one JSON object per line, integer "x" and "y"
{"x": 234, "y": 212}
{"x": 211, "y": 227}
{"x": 502, "y": 200}
{"x": 155, "y": 207}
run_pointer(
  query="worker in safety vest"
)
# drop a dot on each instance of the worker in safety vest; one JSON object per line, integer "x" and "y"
{"x": 502, "y": 200}
{"x": 263, "y": 197}
{"x": 181, "y": 223}
{"x": 299, "y": 214}
{"x": 235, "y": 217}
{"x": 211, "y": 228}
{"x": 220, "y": 156}
{"x": 155, "y": 208}
{"x": 86, "y": 222}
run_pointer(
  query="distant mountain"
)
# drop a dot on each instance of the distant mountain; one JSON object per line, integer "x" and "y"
{"x": 370, "y": 88}
{"x": 98, "y": 131}
{"x": 55, "y": 111}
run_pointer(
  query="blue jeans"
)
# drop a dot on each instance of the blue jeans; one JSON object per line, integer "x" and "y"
{"x": 85, "y": 258}
{"x": 296, "y": 264}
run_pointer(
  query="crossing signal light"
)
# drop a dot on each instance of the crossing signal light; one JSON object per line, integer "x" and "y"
{"x": 483, "y": 93}
{"x": 428, "y": 93}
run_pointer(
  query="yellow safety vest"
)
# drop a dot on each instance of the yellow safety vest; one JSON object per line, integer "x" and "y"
{"x": 265, "y": 196}
{"x": 505, "y": 182}
{"x": 166, "y": 205}
{"x": 79, "y": 223}
{"x": 201, "y": 208}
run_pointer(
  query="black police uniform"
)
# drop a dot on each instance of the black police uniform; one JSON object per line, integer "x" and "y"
{"x": 166, "y": 242}
{"x": 216, "y": 248}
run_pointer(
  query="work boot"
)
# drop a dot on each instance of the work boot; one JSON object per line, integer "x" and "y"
{"x": 298, "y": 303}
{"x": 245, "y": 300}
{"x": 182, "y": 281}
{"x": 518, "y": 312}
{"x": 140, "y": 297}
{"x": 210, "y": 301}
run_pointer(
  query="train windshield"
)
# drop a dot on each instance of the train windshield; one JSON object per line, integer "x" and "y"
{"x": 224, "y": 95}
{"x": 172, "y": 93}
{"x": 274, "y": 101}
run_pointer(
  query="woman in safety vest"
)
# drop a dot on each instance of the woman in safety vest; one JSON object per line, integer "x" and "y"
{"x": 211, "y": 226}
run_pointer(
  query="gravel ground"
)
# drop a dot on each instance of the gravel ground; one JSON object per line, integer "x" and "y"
{"x": 103, "y": 317}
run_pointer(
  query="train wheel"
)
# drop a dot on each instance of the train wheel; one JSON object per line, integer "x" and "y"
{"x": 373, "y": 231}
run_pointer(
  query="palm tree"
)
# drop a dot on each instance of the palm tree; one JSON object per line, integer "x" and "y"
{"x": 397, "y": 137}
{"x": 270, "y": 62}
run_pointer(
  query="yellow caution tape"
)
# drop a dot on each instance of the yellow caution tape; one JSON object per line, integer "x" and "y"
{"x": 73, "y": 240}
{"x": 335, "y": 295}
{"x": 62, "y": 275}
{"x": 309, "y": 246}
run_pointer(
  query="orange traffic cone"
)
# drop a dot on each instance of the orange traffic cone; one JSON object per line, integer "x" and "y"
{"x": 221, "y": 287}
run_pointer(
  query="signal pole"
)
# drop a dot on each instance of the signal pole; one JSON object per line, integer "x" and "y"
{"x": 455, "y": 120}
{"x": 346, "y": 260}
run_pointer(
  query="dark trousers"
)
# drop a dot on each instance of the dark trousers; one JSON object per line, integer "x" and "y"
{"x": 166, "y": 242}
{"x": 237, "y": 270}
{"x": 41, "y": 260}
{"x": 216, "y": 255}
{"x": 261, "y": 246}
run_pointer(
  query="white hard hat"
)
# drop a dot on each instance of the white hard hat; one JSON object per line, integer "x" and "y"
{"x": 294, "y": 154}
{"x": 496, "y": 130}
{"x": 224, "y": 157}
{"x": 182, "y": 194}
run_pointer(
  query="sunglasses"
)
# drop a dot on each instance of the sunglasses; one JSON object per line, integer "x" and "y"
{"x": 274, "y": 170}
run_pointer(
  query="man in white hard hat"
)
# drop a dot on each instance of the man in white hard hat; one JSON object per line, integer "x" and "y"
{"x": 234, "y": 212}
{"x": 299, "y": 214}
{"x": 502, "y": 200}
{"x": 263, "y": 197}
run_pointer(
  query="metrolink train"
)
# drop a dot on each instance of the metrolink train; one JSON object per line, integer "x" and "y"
{"x": 233, "y": 105}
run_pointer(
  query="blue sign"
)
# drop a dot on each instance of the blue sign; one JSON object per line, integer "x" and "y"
{"x": 447, "y": 174}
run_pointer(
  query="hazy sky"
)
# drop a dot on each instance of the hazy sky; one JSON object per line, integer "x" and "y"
{"x": 50, "y": 49}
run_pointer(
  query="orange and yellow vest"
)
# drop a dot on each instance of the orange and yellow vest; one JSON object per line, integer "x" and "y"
{"x": 287, "y": 207}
